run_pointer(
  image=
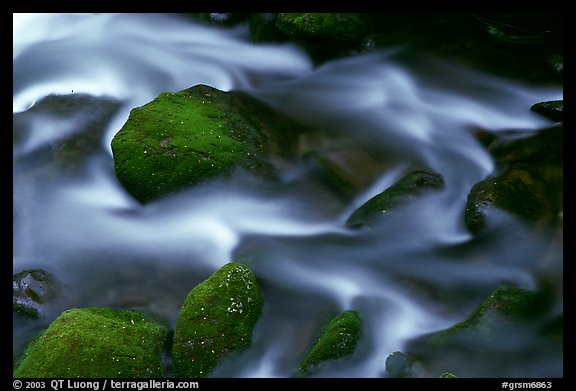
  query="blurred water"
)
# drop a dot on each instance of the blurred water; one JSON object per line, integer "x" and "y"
{"x": 108, "y": 250}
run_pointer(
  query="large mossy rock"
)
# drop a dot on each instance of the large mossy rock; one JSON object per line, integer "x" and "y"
{"x": 338, "y": 339}
{"x": 183, "y": 138}
{"x": 97, "y": 342}
{"x": 216, "y": 320}
{"x": 407, "y": 188}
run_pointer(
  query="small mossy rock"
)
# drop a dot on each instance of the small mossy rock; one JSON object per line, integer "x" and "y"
{"x": 216, "y": 320}
{"x": 553, "y": 110}
{"x": 448, "y": 375}
{"x": 414, "y": 184}
{"x": 183, "y": 138}
{"x": 338, "y": 339}
{"x": 322, "y": 26}
{"x": 31, "y": 290}
{"x": 495, "y": 333}
{"x": 94, "y": 343}
{"x": 516, "y": 191}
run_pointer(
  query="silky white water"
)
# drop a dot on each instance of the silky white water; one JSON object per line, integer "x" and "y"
{"x": 108, "y": 250}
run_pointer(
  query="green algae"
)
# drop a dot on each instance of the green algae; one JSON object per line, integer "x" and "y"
{"x": 216, "y": 320}
{"x": 94, "y": 343}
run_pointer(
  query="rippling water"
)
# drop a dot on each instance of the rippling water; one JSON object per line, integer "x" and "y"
{"x": 407, "y": 276}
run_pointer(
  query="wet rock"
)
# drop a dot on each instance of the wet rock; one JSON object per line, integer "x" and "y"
{"x": 398, "y": 365}
{"x": 95, "y": 343}
{"x": 32, "y": 290}
{"x": 183, "y": 138}
{"x": 414, "y": 184}
{"x": 553, "y": 110}
{"x": 216, "y": 320}
{"x": 338, "y": 339}
{"x": 505, "y": 327}
{"x": 517, "y": 191}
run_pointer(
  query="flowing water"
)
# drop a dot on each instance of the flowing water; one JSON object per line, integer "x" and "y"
{"x": 407, "y": 276}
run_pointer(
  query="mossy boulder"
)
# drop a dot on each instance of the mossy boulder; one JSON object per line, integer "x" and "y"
{"x": 32, "y": 290}
{"x": 322, "y": 26}
{"x": 216, "y": 320}
{"x": 183, "y": 138}
{"x": 337, "y": 340}
{"x": 517, "y": 191}
{"x": 412, "y": 185}
{"x": 97, "y": 342}
{"x": 505, "y": 328}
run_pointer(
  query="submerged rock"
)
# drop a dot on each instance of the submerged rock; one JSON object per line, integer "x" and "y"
{"x": 183, "y": 138}
{"x": 414, "y": 184}
{"x": 398, "y": 365}
{"x": 31, "y": 290}
{"x": 498, "y": 331}
{"x": 516, "y": 191}
{"x": 216, "y": 320}
{"x": 338, "y": 339}
{"x": 97, "y": 342}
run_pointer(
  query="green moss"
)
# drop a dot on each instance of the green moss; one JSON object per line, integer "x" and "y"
{"x": 216, "y": 320}
{"x": 96, "y": 342}
{"x": 448, "y": 375}
{"x": 183, "y": 138}
{"x": 408, "y": 187}
{"x": 338, "y": 339}
{"x": 332, "y": 26}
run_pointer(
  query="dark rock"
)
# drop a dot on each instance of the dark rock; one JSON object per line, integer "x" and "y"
{"x": 32, "y": 290}
{"x": 553, "y": 110}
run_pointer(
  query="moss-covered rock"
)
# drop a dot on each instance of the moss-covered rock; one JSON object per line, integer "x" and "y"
{"x": 517, "y": 191}
{"x": 448, "y": 375}
{"x": 216, "y": 320}
{"x": 505, "y": 327}
{"x": 31, "y": 290}
{"x": 183, "y": 138}
{"x": 97, "y": 342}
{"x": 322, "y": 26}
{"x": 414, "y": 184}
{"x": 338, "y": 339}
